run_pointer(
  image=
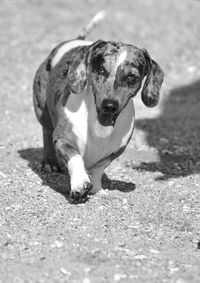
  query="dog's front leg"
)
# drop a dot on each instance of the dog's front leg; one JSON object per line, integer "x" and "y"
{"x": 96, "y": 177}
{"x": 79, "y": 179}
{"x": 97, "y": 173}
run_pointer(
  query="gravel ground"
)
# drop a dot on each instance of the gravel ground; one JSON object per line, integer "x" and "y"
{"x": 145, "y": 228}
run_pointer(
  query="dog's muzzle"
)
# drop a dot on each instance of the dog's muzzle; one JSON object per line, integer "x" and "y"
{"x": 108, "y": 112}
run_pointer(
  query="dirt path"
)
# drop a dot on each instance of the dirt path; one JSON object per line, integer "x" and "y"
{"x": 146, "y": 227}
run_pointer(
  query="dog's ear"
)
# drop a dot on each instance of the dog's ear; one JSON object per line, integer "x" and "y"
{"x": 154, "y": 78}
{"x": 77, "y": 77}
{"x": 77, "y": 73}
{"x": 97, "y": 44}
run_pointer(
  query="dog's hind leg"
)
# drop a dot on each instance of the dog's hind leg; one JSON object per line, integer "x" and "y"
{"x": 49, "y": 160}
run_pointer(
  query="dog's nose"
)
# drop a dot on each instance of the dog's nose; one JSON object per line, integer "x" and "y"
{"x": 110, "y": 106}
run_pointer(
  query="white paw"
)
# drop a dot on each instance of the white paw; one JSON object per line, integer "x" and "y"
{"x": 80, "y": 187}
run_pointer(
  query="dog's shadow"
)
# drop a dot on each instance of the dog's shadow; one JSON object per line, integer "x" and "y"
{"x": 60, "y": 182}
{"x": 175, "y": 134}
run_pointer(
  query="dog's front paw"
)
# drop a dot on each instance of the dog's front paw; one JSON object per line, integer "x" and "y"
{"x": 81, "y": 190}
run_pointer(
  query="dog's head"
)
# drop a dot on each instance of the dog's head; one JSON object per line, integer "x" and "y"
{"x": 115, "y": 72}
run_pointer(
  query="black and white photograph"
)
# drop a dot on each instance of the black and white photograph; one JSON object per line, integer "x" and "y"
{"x": 99, "y": 141}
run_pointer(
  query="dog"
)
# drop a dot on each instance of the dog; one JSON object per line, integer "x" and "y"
{"x": 82, "y": 96}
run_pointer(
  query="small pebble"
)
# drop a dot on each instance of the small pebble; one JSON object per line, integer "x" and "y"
{"x": 163, "y": 141}
{"x": 174, "y": 270}
{"x": 24, "y": 87}
{"x": 180, "y": 280}
{"x": 118, "y": 276}
{"x": 57, "y": 244}
{"x": 154, "y": 251}
{"x": 7, "y": 208}
{"x": 191, "y": 69}
{"x": 125, "y": 201}
{"x": 87, "y": 269}
{"x": 97, "y": 240}
{"x": 64, "y": 271}
{"x": 101, "y": 207}
{"x": 35, "y": 243}
{"x": 140, "y": 257}
{"x": 186, "y": 209}
{"x": 86, "y": 280}
{"x": 2, "y": 175}
{"x": 103, "y": 192}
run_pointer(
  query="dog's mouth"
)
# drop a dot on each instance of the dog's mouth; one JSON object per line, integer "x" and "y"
{"x": 106, "y": 119}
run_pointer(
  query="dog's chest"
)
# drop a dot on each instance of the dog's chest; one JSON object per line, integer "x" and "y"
{"x": 94, "y": 141}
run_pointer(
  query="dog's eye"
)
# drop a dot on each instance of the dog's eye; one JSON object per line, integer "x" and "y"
{"x": 131, "y": 78}
{"x": 100, "y": 70}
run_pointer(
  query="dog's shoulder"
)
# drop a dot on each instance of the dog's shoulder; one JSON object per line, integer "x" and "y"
{"x": 63, "y": 67}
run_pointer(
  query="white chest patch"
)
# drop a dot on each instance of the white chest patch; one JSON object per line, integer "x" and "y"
{"x": 67, "y": 47}
{"x": 101, "y": 131}
{"x": 94, "y": 141}
{"x": 76, "y": 112}
{"x": 102, "y": 141}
